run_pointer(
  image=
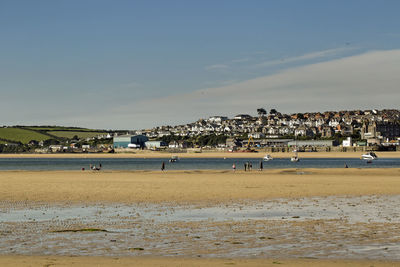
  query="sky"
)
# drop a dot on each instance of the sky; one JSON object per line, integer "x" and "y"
{"x": 139, "y": 64}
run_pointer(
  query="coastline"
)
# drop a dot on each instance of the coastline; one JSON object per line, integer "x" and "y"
{"x": 157, "y": 154}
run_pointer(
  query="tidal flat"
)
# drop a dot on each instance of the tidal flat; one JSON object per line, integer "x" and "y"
{"x": 300, "y": 216}
{"x": 364, "y": 227}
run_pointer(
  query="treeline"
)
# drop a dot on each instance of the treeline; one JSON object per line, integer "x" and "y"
{"x": 200, "y": 140}
{"x": 14, "y": 148}
{"x": 211, "y": 140}
{"x": 337, "y": 137}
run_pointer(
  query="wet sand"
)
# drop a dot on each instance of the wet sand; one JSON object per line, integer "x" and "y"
{"x": 192, "y": 186}
{"x": 157, "y": 154}
{"x": 319, "y": 227}
{"x": 11, "y": 261}
{"x": 325, "y": 238}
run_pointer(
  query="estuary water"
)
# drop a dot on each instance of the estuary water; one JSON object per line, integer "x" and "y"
{"x": 187, "y": 163}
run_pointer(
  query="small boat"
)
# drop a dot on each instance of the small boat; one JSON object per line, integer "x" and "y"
{"x": 174, "y": 159}
{"x": 267, "y": 157}
{"x": 294, "y": 158}
{"x": 369, "y": 156}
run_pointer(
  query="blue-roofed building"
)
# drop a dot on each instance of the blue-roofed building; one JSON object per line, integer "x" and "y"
{"x": 130, "y": 141}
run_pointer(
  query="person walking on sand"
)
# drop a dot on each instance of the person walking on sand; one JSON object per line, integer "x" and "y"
{"x": 261, "y": 165}
{"x": 163, "y": 166}
{"x": 234, "y": 167}
{"x": 245, "y": 166}
{"x": 250, "y": 166}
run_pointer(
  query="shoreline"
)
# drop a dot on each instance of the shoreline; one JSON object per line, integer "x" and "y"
{"x": 156, "y": 154}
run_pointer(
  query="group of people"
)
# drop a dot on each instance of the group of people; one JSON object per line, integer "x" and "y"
{"x": 248, "y": 166}
{"x": 94, "y": 168}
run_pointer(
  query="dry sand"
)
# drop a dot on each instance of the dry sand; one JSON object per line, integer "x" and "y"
{"x": 11, "y": 261}
{"x": 207, "y": 186}
{"x": 156, "y": 154}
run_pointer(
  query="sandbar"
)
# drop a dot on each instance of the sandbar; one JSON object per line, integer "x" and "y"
{"x": 195, "y": 186}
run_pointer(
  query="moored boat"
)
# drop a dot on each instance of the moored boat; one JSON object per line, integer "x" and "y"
{"x": 174, "y": 159}
{"x": 267, "y": 157}
{"x": 294, "y": 158}
{"x": 369, "y": 156}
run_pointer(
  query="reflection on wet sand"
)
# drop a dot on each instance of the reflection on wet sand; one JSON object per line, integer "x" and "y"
{"x": 320, "y": 227}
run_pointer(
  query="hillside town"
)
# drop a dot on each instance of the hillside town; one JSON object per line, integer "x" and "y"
{"x": 375, "y": 129}
{"x": 356, "y": 130}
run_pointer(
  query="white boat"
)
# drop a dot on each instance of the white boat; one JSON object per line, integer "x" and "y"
{"x": 133, "y": 146}
{"x": 294, "y": 158}
{"x": 267, "y": 157}
{"x": 369, "y": 156}
{"x": 174, "y": 159}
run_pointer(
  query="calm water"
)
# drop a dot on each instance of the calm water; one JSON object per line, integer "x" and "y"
{"x": 187, "y": 164}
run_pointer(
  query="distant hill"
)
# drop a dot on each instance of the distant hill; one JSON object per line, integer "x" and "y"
{"x": 24, "y": 134}
{"x": 20, "y": 135}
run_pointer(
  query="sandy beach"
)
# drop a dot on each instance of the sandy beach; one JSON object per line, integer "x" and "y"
{"x": 341, "y": 191}
{"x": 157, "y": 154}
{"x": 11, "y": 261}
{"x": 192, "y": 186}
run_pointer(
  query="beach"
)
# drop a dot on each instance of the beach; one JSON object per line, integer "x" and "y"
{"x": 11, "y": 261}
{"x": 298, "y": 217}
{"x": 193, "y": 186}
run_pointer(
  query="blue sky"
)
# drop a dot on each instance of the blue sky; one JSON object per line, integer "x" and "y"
{"x": 138, "y": 64}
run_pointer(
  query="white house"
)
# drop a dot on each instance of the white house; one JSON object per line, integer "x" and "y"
{"x": 347, "y": 142}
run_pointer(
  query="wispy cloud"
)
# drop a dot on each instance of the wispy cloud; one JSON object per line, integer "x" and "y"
{"x": 220, "y": 83}
{"x": 217, "y": 67}
{"x": 368, "y": 80}
{"x": 392, "y": 34}
{"x": 252, "y": 62}
{"x": 240, "y": 60}
{"x": 306, "y": 57}
{"x": 226, "y": 66}
{"x": 133, "y": 84}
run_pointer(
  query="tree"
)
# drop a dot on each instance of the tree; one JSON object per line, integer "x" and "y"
{"x": 300, "y": 116}
{"x": 261, "y": 112}
{"x": 51, "y": 141}
{"x": 273, "y": 111}
{"x": 33, "y": 143}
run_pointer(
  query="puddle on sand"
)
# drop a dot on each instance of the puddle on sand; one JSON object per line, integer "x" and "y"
{"x": 342, "y": 227}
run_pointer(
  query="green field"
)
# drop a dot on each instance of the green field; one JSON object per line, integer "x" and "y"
{"x": 58, "y": 128}
{"x": 21, "y": 135}
{"x": 70, "y": 134}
